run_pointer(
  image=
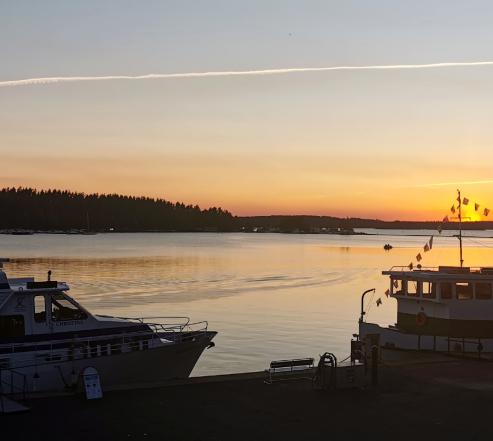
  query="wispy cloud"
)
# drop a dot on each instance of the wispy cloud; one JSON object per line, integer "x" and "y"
{"x": 450, "y": 184}
{"x": 51, "y": 80}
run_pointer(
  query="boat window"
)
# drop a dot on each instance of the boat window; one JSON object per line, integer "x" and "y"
{"x": 483, "y": 291}
{"x": 12, "y": 326}
{"x": 413, "y": 288}
{"x": 39, "y": 309}
{"x": 446, "y": 290}
{"x": 463, "y": 290}
{"x": 62, "y": 309}
{"x": 430, "y": 290}
{"x": 398, "y": 287}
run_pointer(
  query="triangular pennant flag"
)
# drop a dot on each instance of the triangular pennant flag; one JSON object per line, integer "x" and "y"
{"x": 396, "y": 284}
{"x": 426, "y": 248}
{"x": 486, "y": 211}
{"x": 410, "y": 266}
{"x": 387, "y": 293}
{"x": 445, "y": 219}
{"x": 430, "y": 243}
{"x": 452, "y": 209}
{"x": 418, "y": 257}
{"x": 465, "y": 201}
{"x": 476, "y": 206}
{"x": 379, "y": 301}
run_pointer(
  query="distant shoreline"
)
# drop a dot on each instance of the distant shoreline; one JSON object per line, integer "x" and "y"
{"x": 385, "y": 232}
{"x": 27, "y": 210}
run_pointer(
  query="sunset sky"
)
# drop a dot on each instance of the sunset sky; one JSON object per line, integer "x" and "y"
{"x": 392, "y": 144}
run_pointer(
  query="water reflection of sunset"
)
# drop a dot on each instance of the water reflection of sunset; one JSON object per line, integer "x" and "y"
{"x": 303, "y": 291}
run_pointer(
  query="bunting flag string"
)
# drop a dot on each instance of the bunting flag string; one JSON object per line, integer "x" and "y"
{"x": 453, "y": 209}
{"x": 428, "y": 246}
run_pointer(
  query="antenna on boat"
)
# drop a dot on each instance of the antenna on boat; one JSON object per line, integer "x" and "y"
{"x": 460, "y": 227}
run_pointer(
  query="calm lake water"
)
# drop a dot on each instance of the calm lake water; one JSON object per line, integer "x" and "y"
{"x": 269, "y": 296}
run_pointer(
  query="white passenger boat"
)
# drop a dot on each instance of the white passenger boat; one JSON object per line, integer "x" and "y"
{"x": 47, "y": 339}
{"x": 447, "y": 309}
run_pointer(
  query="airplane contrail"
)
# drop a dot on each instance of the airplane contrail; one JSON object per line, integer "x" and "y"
{"x": 447, "y": 184}
{"x": 69, "y": 79}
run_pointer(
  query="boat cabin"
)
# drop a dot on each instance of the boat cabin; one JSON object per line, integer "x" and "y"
{"x": 447, "y": 301}
{"x": 31, "y": 310}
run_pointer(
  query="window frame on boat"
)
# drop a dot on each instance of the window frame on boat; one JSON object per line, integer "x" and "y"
{"x": 446, "y": 290}
{"x": 490, "y": 294}
{"x": 38, "y": 314}
{"x": 464, "y": 290}
{"x": 82, "y": 314}
{"x": 17, "y": 326}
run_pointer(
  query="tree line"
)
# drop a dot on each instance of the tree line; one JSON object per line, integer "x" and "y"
{"x": 63, "y": 210}
{"x": 47, "y": 210}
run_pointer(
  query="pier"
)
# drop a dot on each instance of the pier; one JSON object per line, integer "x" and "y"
{"x": 429, "y": 397}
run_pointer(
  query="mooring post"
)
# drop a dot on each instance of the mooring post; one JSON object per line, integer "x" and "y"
{"x": 374, "y": 365}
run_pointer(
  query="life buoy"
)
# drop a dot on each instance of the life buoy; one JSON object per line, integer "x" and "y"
{"x": 421, "y": 319}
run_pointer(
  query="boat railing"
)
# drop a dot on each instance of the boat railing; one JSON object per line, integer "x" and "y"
{"x": 165, "y": 325}
{"x": 13, "y": 384}
{"x": 405, "y": 268}
{"x": 110, "y": 344}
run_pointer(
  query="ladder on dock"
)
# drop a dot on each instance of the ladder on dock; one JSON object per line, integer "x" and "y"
{"x": 13, "y": 391}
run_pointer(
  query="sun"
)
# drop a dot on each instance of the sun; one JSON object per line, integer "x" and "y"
{"x": 470, "y": 215}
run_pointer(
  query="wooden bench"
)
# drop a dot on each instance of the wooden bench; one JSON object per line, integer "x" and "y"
{"x": 296, "y": 369}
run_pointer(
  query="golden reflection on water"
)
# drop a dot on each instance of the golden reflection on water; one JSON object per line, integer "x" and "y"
{"x": 269, "y": 296}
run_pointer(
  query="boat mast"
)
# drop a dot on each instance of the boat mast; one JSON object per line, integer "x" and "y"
{"x": 460, "y": 227}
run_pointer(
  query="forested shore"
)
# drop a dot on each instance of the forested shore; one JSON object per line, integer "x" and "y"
{"x": 28, "y": 209}
{"x": 52, "y": 210}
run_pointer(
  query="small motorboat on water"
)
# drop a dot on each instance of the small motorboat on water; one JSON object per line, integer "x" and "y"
{"x": 47, "y": 339}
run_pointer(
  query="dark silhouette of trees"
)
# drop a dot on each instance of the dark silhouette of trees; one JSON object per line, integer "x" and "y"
{"x": 51, "y": 210}
{"x": 45, "y": 210}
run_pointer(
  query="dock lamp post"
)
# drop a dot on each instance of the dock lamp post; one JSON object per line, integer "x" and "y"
{"x": 361, "y": 318}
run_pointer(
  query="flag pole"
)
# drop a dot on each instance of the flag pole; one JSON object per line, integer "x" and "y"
{"x": 460, "y": 227}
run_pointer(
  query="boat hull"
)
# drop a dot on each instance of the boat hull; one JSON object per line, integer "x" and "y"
{"x": 127, "y": 369}
{"x": 394, "y": 338}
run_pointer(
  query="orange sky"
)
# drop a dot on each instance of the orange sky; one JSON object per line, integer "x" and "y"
{"x": 388, "y": 144}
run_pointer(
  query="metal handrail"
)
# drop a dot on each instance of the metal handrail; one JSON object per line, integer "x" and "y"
{"x": 13, "y": 388}
{"x": 82, "y": 348}
{"x": 426, "y": 268}
{"x": 153, "y": 327}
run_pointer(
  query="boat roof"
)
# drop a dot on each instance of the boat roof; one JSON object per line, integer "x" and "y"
{"x": 441, "y": 273}
{"x": 27, "y": 285}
